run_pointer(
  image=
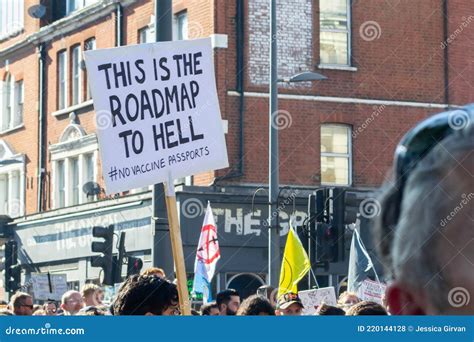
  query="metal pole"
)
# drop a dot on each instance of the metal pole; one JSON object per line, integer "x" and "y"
{"x": 163, "y": 20}
{"x": 161, "y": 249}
{"x": 274, "y": 231}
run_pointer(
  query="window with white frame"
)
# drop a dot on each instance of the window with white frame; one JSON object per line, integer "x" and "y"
{"x": 75, "y": 183}
{"x": 60, "y": 183}
{"x": 144, "y": 35}
{"x": 181, "y": 26}
{"x": 334, "y": 34}
{"x": 62, "y": 79}
{"x": 19, "y": 93}
{"x": 12, "y": 181}
{"x": 11, "y": 109}
{"x": 74, "y": 161}
{"x": 76, "y": 88}
{"x": 90, "y": 44}
{"x": 11, "y": 18}
{"x": 336, "y": 155}
{"x": 74, "y": 5}
{"x": 7, "y": 103}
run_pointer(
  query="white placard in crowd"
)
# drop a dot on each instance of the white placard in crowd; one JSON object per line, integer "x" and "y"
{"x": 157, "y": 112}
{"x": 313, "y": 298}
{"x": 372, "y": 291}
{"x": 42, "y": 289}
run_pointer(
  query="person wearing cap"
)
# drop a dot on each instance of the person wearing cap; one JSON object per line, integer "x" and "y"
{"x": 289, "y": 305}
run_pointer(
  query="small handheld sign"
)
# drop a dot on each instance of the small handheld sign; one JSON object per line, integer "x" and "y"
{"x": 158, "y": 119}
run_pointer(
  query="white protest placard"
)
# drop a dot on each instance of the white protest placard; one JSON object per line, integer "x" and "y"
{"x": 313, "y": 298}
{"x": 372, "y": 291}
{"x": 52, "y": 287}
{"x": 157, "y": 112}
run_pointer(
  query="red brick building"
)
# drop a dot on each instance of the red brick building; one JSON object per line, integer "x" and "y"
{"x": 388, "y": 65}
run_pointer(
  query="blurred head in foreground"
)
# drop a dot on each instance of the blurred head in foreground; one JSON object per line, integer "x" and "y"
{"x": 425, "y": 231}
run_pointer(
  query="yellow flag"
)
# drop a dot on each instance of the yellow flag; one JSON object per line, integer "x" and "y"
{"x": 294, "y": 266}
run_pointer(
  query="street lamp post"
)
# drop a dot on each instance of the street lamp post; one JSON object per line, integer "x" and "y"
{"x": 273, "y": 154}
{"x": 161, "y": 249}
{"x": 273, "y": 172}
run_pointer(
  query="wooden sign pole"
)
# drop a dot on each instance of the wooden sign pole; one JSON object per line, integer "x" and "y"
{"x": 177, "y": 247}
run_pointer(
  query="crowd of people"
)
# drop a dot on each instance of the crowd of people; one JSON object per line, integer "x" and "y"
{"x": 151, "y": 294}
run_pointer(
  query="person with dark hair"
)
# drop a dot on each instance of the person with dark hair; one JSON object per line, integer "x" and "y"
{"x": 424, "y": 232}
{"x": 289, "y": 304}
{"x": 329, "y": 310}
{"x": 22, "y": 304}
{"x": 228, "y": 302}
{"x": 268, "y": 292}
{"x": 210, "y": 309}
{"x": 366, "y": 308}
{"x": 50, "y": 308}
{"x": 146, "y": 295}
{"x": 256, "y": 306}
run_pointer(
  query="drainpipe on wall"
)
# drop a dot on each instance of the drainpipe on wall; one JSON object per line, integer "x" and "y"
{"x": 446, "y": 52}
{"x": 118, "y": 25}
{"x": 240, "y": 75}
{"x": 41, "y": 136}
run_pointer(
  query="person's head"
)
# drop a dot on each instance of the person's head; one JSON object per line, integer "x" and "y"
{"x": 329, "y": 310}
{"x": 71, "y": 302}
{"x": 156, "y": 271}
{"x": 36, "y": 307}
{"x": 50, "y": 308}
{"x": 347, "y": 299}
{"x": 228, "y": 302}
{"x": 91, "y": 294}
{"x": 39, "y": 312}
{"x": 366, "y": 308}
{"x": 424, "y": 230}
{"x": 289, "y": 304}
{"x": 146, "y": 295}
{"x": 256, "y": 306}
{"x": 22, "y": 304}
{"x": 268, "y": 292}
{"x": 210, "y": 309}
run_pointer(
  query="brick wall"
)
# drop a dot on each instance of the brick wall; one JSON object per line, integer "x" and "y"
{"x": 24, "y": 66}
{"x": 405, "y": 62}
{"x": 294, "y": 35}
{"x": 460, "y": 44}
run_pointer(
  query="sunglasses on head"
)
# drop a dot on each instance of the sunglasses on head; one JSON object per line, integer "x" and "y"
{"x": 420, "y": 140}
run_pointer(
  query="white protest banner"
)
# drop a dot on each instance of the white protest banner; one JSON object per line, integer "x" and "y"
{"x": 313, "y": 298}
{"x": 372, "y": 291}
{"x": 48, "y": 287}
{"x": 157, "y": 112}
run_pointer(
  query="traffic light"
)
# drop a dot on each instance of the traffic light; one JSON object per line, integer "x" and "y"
{"x": 134, "y": 265}
{"x": 327, "y": 232}
{"x": 12, "y": 269}
{"x": 326, "y": 243}
{"x": 119, "y": 262}
{"x": 106, "y": 261}
{"x": 338, "y": 222}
